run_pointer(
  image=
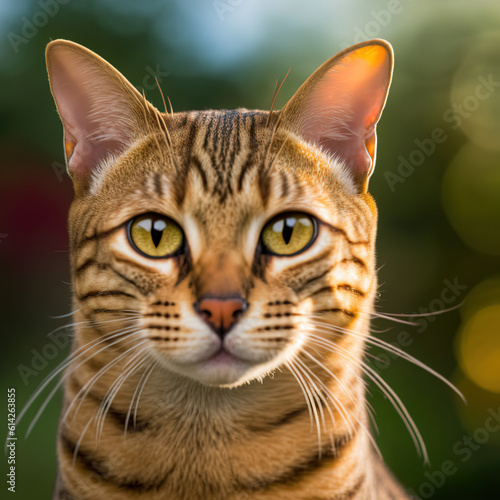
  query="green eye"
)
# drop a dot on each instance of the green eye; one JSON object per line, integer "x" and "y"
{"x": 155, "y": 235}
{"x": 288, "y": 234}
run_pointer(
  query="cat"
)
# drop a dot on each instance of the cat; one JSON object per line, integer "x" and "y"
{"x": 224, "y": 277}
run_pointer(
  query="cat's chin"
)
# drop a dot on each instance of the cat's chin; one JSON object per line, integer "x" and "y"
{"x": 221, "y": 370}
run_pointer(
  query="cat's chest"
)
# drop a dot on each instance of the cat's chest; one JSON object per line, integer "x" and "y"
{"x": 208, "y": 449}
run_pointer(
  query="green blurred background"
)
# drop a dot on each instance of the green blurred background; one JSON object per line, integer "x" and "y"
{"x": 437, "y": 185}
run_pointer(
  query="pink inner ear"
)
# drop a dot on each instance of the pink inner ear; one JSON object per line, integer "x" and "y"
{"x": 87, "y": 154}
{"x": 343, "y": 108}
{"x": 94, "y": 106}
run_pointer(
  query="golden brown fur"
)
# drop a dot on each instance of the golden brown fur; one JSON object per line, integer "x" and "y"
{"x": 221, "y": 175}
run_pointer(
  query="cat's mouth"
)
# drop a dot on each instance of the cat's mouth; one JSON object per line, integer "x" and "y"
{"x": 225, "y": 358}
{"x": 224, "y": 361}
{"x": 221, "y": 357}
{"x": 220, "y": 368}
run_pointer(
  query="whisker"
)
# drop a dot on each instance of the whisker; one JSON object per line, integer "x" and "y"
{"x": 397, "y": 351}
{"x": 115, "y": 388}
{"x": 275, "y": 95}
{"x": 290, "y": 366}
{"x": 390, "y": 318}
{"x": 329, "y": 372}
{"x": 344, "y": 411}
{"x": 91, "y": 324}
{"x": 93, "y": 416}
{"x": 67, "y": 315}
{"x": 80, "y": 439}
{"x": 271, "y": 141}
{"x": 84, "y": 390}
{"x": 170, "y": 105}
{"x": 325, "y": 394}
{"x": 162, "y": 96}
{"x": 317, "y": 407}
{"x": 422, "y": 315}
{"x": 329, "y": 344}
{"x": 62, "y": 366}
{"x": 393, "y": 398}
{"x": 141, "y": 384}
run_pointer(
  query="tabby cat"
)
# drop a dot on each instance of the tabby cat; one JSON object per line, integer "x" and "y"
{"x": 224, "y": 278}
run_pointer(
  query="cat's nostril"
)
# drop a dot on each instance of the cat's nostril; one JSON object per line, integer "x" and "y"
{"x": 220, "y": 312}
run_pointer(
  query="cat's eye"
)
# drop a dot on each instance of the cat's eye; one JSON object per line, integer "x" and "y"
{"x": 289, "y": 234}
{"x": 155, "y": 235}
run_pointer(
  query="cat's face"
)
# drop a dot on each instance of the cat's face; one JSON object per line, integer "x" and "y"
{"x": 223, "y": 238}
{"x": 221, "y": 234}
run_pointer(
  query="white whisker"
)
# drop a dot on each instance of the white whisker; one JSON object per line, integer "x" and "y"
{"x": 147, "y": 373}
{"x": 393, "y": 349}
{"x": 317, "y": 397}
{"x": 392, "y": 396}
{"x": 325, "y": 394}
{"x": 343, "y": 413}
{"x": 290, "y": 366}
{"x": 67, "y": 315}
{"x": 80, "y": 439}
{"x": 312, "y": 398}
{"x": 84, "y": 390}
{"x": 72, "y": 358}
{"x": 115, "y": 387}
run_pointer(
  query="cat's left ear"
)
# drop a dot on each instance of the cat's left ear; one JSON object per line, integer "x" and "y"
{"x": 339, "y": 105}
{"x": 102, "y": 113}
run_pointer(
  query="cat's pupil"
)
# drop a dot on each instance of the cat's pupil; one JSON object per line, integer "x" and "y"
{"x": 157, "y": 231}
{"x": 288, "y": 229}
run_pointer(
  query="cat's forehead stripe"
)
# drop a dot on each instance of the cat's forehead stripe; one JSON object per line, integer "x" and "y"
{"x": 158, "y": 184}
{"x": 221, "y": 147}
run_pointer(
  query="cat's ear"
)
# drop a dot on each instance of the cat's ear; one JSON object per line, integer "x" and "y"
{"x": 100, "y": 110}
{"x": 339, "y": 105}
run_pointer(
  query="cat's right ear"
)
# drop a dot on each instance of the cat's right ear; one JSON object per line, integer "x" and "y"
{"x": 339, "y": 105}
{"x": 101, "y": 111}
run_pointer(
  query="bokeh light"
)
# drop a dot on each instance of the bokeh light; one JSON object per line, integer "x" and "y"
{"x": 478, "y": 342}
{"x": 430, "y": 232}
{"x": 481, "y": 404}
{"x": 475, "y": 92}
{"x": 480, "y": 348}
{"x": 471, "y": 197}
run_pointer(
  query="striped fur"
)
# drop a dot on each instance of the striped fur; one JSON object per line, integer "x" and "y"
{"x": 138, "y": 421}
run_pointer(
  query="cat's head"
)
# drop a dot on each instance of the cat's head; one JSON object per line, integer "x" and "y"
{"x": 223, "y": 240}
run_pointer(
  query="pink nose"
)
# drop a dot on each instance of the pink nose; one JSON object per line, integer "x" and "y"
{"x": 221, "y": 313}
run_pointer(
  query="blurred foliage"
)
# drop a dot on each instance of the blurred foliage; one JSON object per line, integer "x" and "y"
{"x": 437, "y": 186}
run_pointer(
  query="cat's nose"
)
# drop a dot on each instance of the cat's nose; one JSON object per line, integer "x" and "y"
{"x": 220, "y": 312}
